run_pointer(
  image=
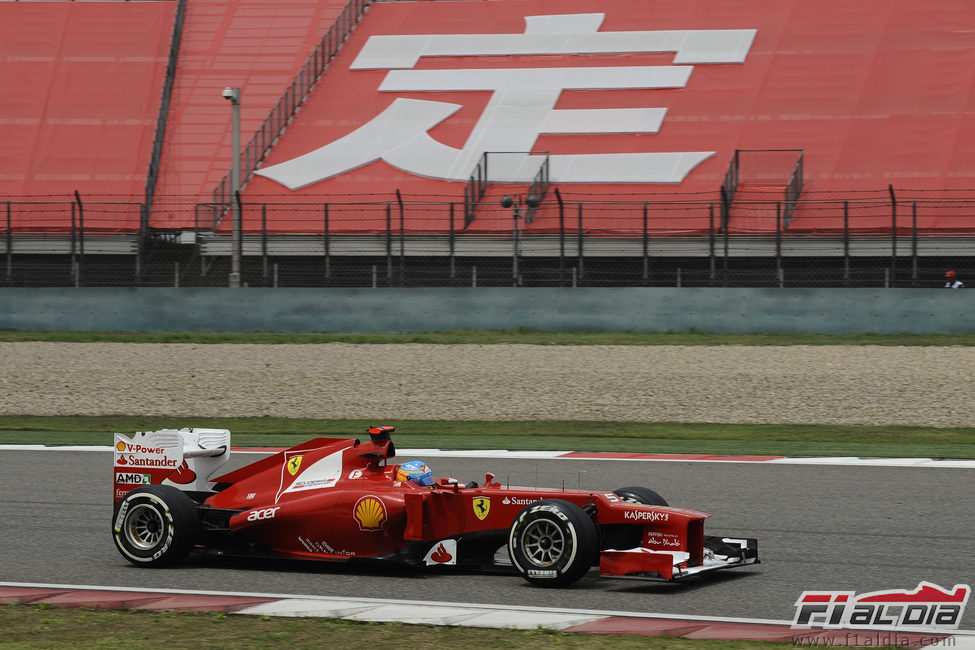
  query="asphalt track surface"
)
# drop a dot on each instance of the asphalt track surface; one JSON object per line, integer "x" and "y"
{"x": 856, "y": 528}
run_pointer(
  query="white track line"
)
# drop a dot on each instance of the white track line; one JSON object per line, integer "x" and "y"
{"x": 929, "y": 463}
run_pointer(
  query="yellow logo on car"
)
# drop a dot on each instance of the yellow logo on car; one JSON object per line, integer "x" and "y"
{"x": 294, "y": 464}
{"x": 370, "y": 512}
{"x": 482, "y": 506}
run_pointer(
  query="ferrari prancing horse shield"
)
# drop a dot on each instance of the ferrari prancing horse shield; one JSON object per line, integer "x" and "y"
{"x": 294, "y": 464}
{"x": 482, "y": 506}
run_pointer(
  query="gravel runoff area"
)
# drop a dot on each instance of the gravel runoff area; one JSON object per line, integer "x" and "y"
{"x": 930, "y": 386}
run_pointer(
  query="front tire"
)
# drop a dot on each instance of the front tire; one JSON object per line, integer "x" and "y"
{"x": 155, "y": 526}
{"x": 641, "y": 495}
{"x": 553, "y": 543}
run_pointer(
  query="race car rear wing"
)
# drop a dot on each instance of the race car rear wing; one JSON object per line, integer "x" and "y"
{"x": 184, "y": 458}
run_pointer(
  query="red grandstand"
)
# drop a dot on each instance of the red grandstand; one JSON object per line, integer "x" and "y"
{"x": 633, "y": 111}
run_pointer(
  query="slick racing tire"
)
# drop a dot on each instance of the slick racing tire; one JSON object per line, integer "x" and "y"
{"x": 641, "y": 495}
{"x": 155, "y": 526}
{"x": 553, "y": 543}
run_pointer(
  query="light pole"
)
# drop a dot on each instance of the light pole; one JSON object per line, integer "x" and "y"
{"x": 233, "y": 96}
{"x": 506, "y": 202}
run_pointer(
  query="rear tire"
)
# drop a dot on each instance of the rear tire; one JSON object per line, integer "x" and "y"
{"x": 155, "y": 526}
{"x": 641, "y": 495}
{"x": 553, "y": 543}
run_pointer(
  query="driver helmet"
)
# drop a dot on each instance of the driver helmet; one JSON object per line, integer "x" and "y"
{"x": 950, "y": 274}
{"x": 416, "y": 471}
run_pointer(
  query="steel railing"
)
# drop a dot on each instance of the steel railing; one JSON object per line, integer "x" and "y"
{"x": 297, "y": 91}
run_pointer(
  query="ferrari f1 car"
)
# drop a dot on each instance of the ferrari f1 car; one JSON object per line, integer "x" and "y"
{"x": 342, "y": 500}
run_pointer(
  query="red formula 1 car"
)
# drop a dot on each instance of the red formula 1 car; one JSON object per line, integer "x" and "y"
{"x": 341, "y": 500}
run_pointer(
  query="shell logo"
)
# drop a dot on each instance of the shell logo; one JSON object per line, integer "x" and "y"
{"x": 120, "y": 446}
{"x": 370, "y": 512}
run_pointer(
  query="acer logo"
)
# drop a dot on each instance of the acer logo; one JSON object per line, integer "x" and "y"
{"x": 266, "y": 513}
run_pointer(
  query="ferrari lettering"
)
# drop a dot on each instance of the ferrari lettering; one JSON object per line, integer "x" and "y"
{"x": 646, "y": 515}
{"x": 266, "y": 513}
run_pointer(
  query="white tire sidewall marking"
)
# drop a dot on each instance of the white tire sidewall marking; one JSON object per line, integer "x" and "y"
{"x": 164, "y": 545}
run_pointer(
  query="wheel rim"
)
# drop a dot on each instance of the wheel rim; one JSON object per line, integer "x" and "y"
{"x": 543, "y": 543}
{"x": 144, "y": 527}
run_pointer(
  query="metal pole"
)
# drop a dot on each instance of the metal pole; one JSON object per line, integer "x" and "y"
{"x": 233, "y": 94}
{"x": 453, "y": 269}
{"x": 893, "y": 236}
{"x": 914, "y": 245}
{"x": 264, "y": 242}
{"x": 10, "y": 245}
{"x": 514, "y": 239}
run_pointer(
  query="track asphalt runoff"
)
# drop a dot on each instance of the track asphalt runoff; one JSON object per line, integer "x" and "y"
{"x": 499, "y": 616}
{"x": 471, "y": 615}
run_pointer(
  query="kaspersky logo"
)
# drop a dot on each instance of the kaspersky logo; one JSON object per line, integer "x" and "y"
{"x": 927, "y": 606}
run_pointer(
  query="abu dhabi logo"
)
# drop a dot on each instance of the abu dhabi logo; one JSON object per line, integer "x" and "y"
{"x": 521, "y": 105}
{"x": 928, "y": 606}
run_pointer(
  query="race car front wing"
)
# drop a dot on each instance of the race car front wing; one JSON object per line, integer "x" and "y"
{"x": 719, "y": 553}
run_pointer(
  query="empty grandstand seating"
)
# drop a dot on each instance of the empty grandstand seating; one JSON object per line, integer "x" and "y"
{"x": 655, "y": 99}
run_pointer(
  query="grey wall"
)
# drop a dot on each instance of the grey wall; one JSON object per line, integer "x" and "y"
{"x": 829, "y": 311}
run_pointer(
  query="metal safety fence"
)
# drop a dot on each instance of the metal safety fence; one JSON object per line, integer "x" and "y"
{"x": 870, "y": 242}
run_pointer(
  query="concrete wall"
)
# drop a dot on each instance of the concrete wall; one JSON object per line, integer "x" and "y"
{"x": 829, "y": 311}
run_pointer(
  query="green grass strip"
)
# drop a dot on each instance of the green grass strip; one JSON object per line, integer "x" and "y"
{"x": 658, "y": 437}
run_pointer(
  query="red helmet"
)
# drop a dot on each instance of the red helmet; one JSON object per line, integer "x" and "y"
{"x": 950, "y": 274}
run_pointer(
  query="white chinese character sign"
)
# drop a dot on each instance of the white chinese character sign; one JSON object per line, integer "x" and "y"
{"x": 518, "y": 81}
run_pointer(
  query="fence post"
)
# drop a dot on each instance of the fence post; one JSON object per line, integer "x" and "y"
{"x": 846, "y": 243}
{"x": 711, "y": 236}
{"x": 914, "y": 281}
{"x": 81, "y": 240}
{"x": 389, "y": 243}
{"x": 778, "y": 241}
{"x": 646, "y": 246}
{"x": 893, "y": 236}
{"x": 582, "y": 268}
{"x": 10, "y": 245}
{"x": 451, "y": 242}
{"x": 402, "y": 239}
{"x": 558, "y": 197}
{"x": 264, "y": 243}
{"x": 326, "y": 242}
